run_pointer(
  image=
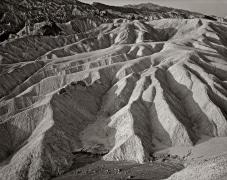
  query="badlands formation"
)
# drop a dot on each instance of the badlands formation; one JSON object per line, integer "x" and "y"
{"x": 125, "y": 90}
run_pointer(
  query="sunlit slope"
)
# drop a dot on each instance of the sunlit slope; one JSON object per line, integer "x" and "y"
{"x": 119, "y": 90}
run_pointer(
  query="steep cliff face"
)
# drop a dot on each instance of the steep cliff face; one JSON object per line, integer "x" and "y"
{"x": 120, "y": 90}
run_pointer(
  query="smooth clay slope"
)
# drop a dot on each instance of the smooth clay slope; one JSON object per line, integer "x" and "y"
{"x": 120, "y": 90}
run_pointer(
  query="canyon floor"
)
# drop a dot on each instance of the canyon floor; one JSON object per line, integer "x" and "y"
{"x": 165, "y": 163}
{"x": 123, "y": 170}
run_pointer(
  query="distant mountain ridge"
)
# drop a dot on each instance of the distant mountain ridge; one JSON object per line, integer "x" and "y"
{"x": 15, "y": 15}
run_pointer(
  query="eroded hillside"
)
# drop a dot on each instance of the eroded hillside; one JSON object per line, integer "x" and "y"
{"x": 120, "y": 90}
{"x": 19, "y": 18}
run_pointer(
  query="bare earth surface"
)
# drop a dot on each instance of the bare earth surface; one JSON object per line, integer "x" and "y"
{"x": 126, "y": 91}
{"x": 121, "y": 170}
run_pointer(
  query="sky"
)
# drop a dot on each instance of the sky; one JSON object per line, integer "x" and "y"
{"x": 208, "y": 7}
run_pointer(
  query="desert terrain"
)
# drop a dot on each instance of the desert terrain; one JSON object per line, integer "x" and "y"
{"x": 122, "y": 95}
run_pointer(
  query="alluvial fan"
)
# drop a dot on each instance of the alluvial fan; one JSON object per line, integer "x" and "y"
{"x": 120, "y": 89}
